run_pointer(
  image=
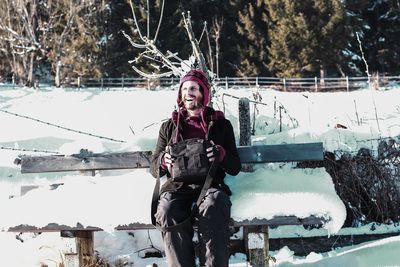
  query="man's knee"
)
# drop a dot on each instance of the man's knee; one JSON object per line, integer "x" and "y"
{"x": 215, "y": 203}
{"x": 171, "y": 210}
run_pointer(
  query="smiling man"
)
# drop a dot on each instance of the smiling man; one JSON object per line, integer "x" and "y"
{"x": 192, "y": 97}
{"x": 182, "y": 202}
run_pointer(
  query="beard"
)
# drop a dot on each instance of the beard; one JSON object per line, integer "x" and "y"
{"x": 195, "y": 104}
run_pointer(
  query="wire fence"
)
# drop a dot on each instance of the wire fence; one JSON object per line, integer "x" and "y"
{"x": 316, "y": 84}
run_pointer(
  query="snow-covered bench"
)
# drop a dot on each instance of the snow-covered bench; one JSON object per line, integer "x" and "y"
{"x": 255, "y": 225}
{"x": 255, "y": 234}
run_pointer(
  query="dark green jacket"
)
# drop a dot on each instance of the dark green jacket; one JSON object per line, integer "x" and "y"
{"x": 220, "y": 132}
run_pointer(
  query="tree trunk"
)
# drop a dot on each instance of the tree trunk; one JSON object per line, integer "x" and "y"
{"x": 58, "y": 70}
{"x": 30, "y": 69}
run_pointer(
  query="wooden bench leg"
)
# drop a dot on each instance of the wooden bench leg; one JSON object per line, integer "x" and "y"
{"x": 84, "y": 247}
{"x": 257, "y": 245}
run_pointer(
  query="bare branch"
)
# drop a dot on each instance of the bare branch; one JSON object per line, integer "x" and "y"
{"x": 204, "y": 30}
{"x": 166, "y": 60}
{"x": 174, "y": 55}
{"x": 217, "y": 25}
{"x": 210, "y": 54}
{"x": 195, "y": 43}
{"x": 148, "y": 19}
{"x": 159, "y": 21}
{"x": 159, "y": 60}
{"x": 136, "y": 45}
{"x": 135, "y": 20}
{"x": 151, "y": 76}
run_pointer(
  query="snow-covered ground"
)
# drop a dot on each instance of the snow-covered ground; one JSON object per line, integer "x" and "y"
{"x": 111, "y": 198}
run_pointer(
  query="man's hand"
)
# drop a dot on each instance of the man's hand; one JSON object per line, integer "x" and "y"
{"x": 168, "y": 161}
{"x": 215, "y": 152}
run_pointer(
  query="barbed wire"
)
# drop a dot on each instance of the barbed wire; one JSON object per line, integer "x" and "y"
{"x": 355, "y": 151}
{"x": 62, "y": 127}
{"x": 378, "y": 139}
{"x": 29, "y": 150}
{"x": 154, "y": 123}
{"x": 294, "y": 121}
{"x": 236, "y": 97}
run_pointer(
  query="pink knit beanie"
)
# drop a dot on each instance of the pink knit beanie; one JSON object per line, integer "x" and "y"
{"x": 199, "y": 77}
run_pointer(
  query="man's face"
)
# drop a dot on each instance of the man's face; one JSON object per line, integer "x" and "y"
{"x": 191, "y": 95}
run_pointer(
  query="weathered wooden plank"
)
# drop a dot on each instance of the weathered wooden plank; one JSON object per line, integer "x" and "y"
{"x": 281, "y": 153}
{"x": 282, "y": 220}
{"x": 320, "y": 244}
{"x": 101, "y": 161}
{"x": 302, "y": 246}
{"x": 278, "y": 220}
{"x": 141, "y": 159}
{"x": 51, "y": 227}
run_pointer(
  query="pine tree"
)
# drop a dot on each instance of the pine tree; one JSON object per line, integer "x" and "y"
{"x": 117, "y": 49}
{"x": 221, "y": 16}
{"x": 252, "y": 26}
{"x": 306, "y": 37}
{"x": 290, "y": 51}
{"x": 378, "y": 25}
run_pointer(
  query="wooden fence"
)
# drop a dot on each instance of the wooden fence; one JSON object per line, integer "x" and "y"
{"x": 377, "y": 82}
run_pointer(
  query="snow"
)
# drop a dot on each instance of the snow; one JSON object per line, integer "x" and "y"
{"x": 276, "y": 190}
{"x": 112, "y": 198}
{"x": 377, "y": 253}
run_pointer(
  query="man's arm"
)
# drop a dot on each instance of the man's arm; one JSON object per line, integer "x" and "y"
{"x": 231, "y": 162}
{"x": 156, "y": 168}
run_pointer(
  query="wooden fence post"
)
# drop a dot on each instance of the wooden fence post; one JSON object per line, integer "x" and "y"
{"x": 84, "y": 247}
{"x": 244, "y": 122}
{"x": 245, "y": 128}
{"x": 226, "y": 82}
{"x": 316, "y": 84}
{"x": 257, "y": 245}
{"x": 347, "y": 83}
{"x": 284, "y": 84}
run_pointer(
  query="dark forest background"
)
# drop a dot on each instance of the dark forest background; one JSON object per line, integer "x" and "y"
{"x": 66, "y": 39}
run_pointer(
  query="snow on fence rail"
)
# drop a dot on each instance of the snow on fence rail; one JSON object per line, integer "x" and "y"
{"x": 283, "y": 84}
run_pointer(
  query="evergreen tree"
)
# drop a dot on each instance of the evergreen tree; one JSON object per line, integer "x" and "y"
{"x": 378, "y": 25}
{"x": 306, "y": 37}
{"x": 221, "y": 17}
{"x": 252, "y": 26}
{"x": 117, "y": 49}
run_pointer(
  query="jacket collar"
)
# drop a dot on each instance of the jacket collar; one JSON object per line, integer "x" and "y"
{"x": 209, "y": 114}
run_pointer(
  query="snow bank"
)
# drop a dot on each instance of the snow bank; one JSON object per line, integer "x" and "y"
{"x": 119, "y": 197}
